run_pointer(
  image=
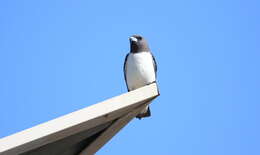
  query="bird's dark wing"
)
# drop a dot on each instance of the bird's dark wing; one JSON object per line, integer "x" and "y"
{"x": 154, "y": 64}
{"x": 125, "y": 70}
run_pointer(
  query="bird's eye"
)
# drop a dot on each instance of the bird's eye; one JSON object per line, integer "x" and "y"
{"x": 139, "y": 37}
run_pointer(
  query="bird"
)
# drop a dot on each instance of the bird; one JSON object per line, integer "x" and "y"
{"x": 140, "y": 68}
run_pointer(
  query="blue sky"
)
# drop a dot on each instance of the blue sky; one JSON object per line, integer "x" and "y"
{"x": 60, "y": 56}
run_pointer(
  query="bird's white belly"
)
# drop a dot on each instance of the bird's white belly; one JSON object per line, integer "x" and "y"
{"x": 139, "y": 70}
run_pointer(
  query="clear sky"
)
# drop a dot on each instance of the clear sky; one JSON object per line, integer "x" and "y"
{"x": 60, "y": 56}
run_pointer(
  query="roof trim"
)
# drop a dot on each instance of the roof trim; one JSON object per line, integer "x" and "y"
{"x": 77, "y": 121}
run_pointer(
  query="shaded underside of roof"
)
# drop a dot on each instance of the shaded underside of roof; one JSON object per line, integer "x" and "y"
{"x": 71, "y": 145}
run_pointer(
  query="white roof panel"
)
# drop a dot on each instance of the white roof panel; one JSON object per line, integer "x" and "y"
{"x": 74, "y": 132}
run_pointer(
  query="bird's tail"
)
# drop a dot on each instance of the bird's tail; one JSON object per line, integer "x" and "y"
{"x": 144, "y": 113}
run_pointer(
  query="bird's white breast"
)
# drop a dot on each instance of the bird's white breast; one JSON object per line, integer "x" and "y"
{"x": 139, "y": 70}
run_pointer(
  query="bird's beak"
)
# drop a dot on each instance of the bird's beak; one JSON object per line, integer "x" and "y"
{"x": 133, "y": 39}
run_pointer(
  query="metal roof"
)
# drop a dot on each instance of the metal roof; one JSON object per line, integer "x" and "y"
{"x": 81, "y": 132}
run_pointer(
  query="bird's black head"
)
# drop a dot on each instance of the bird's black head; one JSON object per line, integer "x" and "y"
{"x": 138, "y": 44}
